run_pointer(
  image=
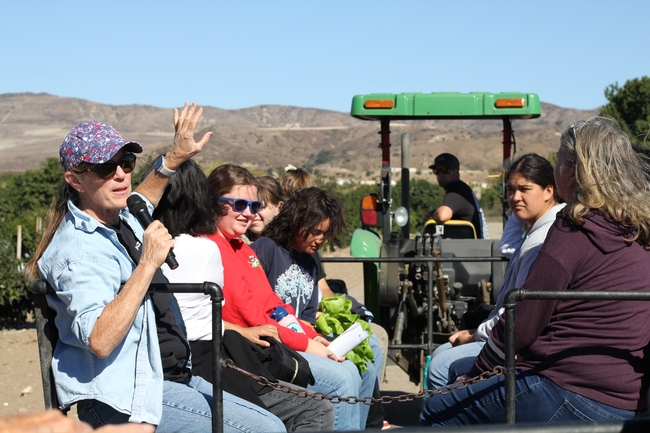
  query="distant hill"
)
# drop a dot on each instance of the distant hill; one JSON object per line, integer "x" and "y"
{"x": 32, "y": 127}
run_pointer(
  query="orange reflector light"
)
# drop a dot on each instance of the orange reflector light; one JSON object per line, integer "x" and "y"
{"x": 369, "y": 202}
{"x": 510, "y": 103}
{"x": 379, "y": 103}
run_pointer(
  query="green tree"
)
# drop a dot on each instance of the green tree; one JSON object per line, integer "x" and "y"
{"x": 630, "y": 106}
{"x": 425, "y": 197}
{"x": 323, "y": 157}
{"x": 24, "y": 198}
{"x": 15, "y": 302}
{"x": 351, "y": 196}
{"x": 491, "y": 196}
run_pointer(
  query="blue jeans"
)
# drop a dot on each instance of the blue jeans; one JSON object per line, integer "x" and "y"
{"x": 344, "y": 380}
{"x": 191, "y": 405}
{"x": 378, "y": 358}
{"x": 538, "y": 400}
{"x": 442, "y": 358}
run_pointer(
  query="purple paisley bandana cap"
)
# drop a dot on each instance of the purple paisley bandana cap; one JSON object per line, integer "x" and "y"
{"x": 93, "y": 142}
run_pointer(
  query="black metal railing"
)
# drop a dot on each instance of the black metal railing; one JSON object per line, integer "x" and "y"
{"x": 517, "y": 295}
{"x": 509, "y": 304}
{"x": 48, "y": 336}
{"x": 47, "y": 333}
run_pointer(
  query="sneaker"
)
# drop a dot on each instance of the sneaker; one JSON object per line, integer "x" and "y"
{"x": 386, "y": 425}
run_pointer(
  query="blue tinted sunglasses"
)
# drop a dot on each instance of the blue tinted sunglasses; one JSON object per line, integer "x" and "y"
{"x": 240, "y": 204}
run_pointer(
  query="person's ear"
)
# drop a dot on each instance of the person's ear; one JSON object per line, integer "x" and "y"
{"x": 280, "y": 204}
{"x": 571, "y": 183}
{"x": 548, "y": 192}
{"x": 73, "y": 181}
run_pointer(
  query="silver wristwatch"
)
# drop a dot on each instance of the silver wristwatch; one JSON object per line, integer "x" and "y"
{"x": 162, "y": 169}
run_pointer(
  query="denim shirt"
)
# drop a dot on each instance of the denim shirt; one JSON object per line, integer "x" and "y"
{"x": 85, "y": 264}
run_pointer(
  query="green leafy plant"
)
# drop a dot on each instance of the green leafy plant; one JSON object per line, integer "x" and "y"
{"x": 335, "y": 318}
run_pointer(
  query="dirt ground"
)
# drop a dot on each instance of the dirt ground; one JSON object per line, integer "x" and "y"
{"x": 20, "y": 379}
{"x": 21, "y": 389}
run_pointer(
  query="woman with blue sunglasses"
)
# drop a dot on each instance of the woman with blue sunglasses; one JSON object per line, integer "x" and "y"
{"x": 240, "y": 204}
{"x": 250, "y": 298}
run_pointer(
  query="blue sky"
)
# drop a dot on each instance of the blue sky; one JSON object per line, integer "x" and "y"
{"x": 312, "y": 53}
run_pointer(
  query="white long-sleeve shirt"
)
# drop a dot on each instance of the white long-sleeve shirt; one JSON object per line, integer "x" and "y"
{"x": 518, "y": 267}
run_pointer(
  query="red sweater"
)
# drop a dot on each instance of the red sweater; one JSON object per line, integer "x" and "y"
{"x": 248, "y": 294}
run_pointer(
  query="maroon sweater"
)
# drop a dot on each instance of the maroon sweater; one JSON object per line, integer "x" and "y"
{"x": 593, "y": 348}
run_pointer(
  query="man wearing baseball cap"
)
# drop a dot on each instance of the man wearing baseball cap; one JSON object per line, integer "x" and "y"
{"x": 459, "y": 203}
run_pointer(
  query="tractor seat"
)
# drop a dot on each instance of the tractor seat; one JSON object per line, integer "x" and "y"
{"x": 452, "y": 229}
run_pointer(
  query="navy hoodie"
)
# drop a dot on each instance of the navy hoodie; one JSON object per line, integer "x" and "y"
{"x": 594, "y": 348}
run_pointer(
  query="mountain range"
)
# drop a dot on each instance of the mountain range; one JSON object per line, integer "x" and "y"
{"x": 267, "y": 137}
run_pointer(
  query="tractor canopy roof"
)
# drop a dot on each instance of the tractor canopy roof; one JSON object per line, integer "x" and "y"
{"x": 446, "y": 105}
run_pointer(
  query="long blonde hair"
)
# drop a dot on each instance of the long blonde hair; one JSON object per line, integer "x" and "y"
{"x": 610, "y": 176}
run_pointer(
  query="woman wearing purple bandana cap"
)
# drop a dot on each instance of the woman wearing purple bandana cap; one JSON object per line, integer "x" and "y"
{"x": 121, "y": 355}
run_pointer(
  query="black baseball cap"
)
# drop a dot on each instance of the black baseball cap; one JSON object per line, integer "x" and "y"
{"x": 446, "y": 159}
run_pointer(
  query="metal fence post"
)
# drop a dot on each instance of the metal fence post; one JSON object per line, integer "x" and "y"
{"x": 216, "y": 296}
{"x": 48, "y": 335}
{"x": 509, "y": 305}
{"x": 522, "y": 294}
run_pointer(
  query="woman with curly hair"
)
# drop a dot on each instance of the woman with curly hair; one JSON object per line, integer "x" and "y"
{"x": 308, "y": 219}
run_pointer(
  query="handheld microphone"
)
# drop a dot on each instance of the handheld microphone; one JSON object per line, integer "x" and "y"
{"x": 138, "y": 208}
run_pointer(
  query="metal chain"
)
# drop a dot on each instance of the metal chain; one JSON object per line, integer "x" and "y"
{"x": 318, "y": 396}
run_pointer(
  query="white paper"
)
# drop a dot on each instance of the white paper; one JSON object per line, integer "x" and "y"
{"x": 348, "y": 340}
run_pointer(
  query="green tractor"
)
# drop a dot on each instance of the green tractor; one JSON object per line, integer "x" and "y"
{"x": 423, "y": 289}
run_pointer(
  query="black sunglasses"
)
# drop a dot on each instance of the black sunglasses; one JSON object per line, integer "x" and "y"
{"x": 240, "y": 204}
{"x": 108, "y": 169}
{"x": 441, "y": 170}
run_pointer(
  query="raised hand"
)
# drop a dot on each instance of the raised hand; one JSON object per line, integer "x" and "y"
{"x": 184, "y": 146}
